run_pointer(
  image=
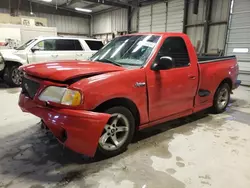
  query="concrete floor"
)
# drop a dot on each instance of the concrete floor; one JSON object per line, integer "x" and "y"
{"x": 203, "y": 150}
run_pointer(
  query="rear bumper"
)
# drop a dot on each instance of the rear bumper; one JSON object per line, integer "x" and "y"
{"x": 236, "y": 84}
{"x": 77, "y": 130}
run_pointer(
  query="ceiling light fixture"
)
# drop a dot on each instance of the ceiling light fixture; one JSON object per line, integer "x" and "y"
{"x": 83, "y": 10}
{"x": 48, "y": 1}
{"x": 31, "y": 12}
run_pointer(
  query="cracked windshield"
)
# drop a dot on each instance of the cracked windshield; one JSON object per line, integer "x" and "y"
{"x": 127, "y": 50}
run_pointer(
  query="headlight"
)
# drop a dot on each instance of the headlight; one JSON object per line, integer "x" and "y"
{"x": 61, "y": 95}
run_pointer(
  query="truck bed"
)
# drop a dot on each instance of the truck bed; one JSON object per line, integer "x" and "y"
{"x": 210, "y": 59}
{"x": 213, "y": 70}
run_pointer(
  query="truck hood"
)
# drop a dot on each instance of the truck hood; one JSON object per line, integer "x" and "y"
{"x": 63, "y": 71}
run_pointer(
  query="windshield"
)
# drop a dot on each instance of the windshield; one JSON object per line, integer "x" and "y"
{"x": 25, "y": 45}
{"x": 131, "y": 50}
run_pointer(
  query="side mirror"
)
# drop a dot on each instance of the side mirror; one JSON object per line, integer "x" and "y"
{"x": 164, "y": 63}
{"x": 35, "y": 48}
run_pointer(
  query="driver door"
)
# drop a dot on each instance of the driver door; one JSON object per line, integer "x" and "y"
{"x": 172, "y": 91}
{"x": 45, "y": 51}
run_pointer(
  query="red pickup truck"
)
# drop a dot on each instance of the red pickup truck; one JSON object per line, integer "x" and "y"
{"x": 134, "y": 82}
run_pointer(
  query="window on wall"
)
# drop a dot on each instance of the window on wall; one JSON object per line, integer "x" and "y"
{"x": 175, "y": 48}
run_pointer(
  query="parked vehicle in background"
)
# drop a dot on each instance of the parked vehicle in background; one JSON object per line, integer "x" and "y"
{"x": 134, "y": 82}
{"x": 44, "y": 49}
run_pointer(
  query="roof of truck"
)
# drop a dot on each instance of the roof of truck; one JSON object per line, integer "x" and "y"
{"x": 72, "y": 38}
{"x": 159, "y": 33}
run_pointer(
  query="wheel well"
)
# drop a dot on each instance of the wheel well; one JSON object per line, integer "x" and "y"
{"x": 228, "y": 81}
{"x": 8, "y": 63}
{"x": 127, "y": 103}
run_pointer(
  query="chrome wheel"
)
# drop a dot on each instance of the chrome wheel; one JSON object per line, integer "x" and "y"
{"x": 223, "y": 98}
{"x": 16, "y": 76}
{"x": 115, "y": 132}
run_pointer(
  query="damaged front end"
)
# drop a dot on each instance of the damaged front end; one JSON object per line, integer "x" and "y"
{"x": 74, "y": 127}
{"x": 78, "y": 130}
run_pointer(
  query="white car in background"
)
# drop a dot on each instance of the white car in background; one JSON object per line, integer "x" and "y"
{"x": 44, "y": 49}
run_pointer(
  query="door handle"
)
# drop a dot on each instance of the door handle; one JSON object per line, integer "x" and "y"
{"x": 79, "y": 54}
{"x": 191, "y": 77}
{"x": 54, "y": 55}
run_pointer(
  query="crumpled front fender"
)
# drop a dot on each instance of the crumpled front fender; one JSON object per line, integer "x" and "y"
{"x": 77, "y": 129}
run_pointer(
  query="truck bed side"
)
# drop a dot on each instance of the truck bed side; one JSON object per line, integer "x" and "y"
{"x": 212, "y": 74}
{"x": 210, "y": 59}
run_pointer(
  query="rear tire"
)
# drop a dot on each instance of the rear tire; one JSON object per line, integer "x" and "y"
{"x": 12, "y": 76}
{"x": 118, "y": 132}
{"x": 221, "y": 98}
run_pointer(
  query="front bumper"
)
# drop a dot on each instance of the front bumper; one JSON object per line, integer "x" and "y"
{"x": 77, "y": 130}
{"x": 236, "y": 84}
{"x": 2, "y": 65}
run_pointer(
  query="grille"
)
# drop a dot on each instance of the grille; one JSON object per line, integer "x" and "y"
{"x": 29, "y": 87}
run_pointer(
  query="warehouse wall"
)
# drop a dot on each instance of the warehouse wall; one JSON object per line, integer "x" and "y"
{"x": 111, "y": 21}
{"x": 238, "y": 42}
{"x": 162, "y": 16}
{"x": 64, "y": 24}
{"x": 218, "y": 22}
{"x": 134, "y": 20}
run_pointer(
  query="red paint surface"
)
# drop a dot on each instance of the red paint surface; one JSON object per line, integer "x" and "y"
{"x": 83, "y": 127}
{"x": 168, "y": 94}
{"x": 62, "y": 71}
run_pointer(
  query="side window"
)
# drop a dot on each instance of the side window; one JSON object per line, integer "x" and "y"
{"x": 46, "y": 45}
{"x": 65, "y": 45}
{"x": 78, "y": 45}
{"x": 68, "y": 45}
{"x": 175, "y": 47}
{"x": 94, "y": 45}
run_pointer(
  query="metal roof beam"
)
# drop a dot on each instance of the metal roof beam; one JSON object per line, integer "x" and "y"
{"x": 149, "y": 2}
{"x": 114, "y": 3}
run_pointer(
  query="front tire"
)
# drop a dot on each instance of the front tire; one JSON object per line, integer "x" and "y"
{"x": 221, "y": 98}
{"x": 117, "y": 133}
{"x": 12, "y": 76}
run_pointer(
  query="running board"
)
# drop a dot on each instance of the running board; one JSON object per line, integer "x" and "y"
{"x": 204, "y": 93}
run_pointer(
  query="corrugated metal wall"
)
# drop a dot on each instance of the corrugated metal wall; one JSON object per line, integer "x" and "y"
{"x": 145, "y": 19}
{"x": 163, "y": 16}
{"x": 102, "y": 23}
{"x": 217, "y": 33}
{"x": 134, "y": 21}
{"x": 175, "y": 15}
{"x": 238, "y": 42}
{"x": 196, "y": 32}
{"x": 111, "y": 21}
{"x": 64, "y": 24}
{"x": 217, "y": 24}
{"x": 159, "y": 17}
{"x": 67, "y": 24}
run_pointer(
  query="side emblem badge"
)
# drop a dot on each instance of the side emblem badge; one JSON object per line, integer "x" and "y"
{"x": 140, "y": 84}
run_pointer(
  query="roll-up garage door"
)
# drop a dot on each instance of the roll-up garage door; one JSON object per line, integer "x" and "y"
{"x": 161, "y": 17}
{"x": 145, "y": 19}
{"x": 175, "y": 15}
{"x": 238, "y": 42}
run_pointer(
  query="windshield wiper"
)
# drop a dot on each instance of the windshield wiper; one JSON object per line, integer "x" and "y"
{"x": 108, "y": 61}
